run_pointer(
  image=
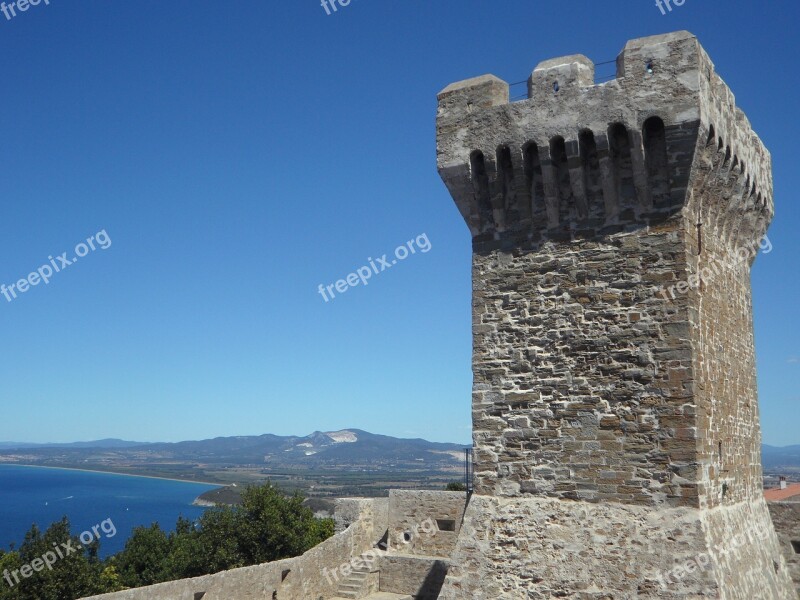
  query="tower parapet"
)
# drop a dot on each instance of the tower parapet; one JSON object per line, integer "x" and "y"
{"x": 578, "y": 159}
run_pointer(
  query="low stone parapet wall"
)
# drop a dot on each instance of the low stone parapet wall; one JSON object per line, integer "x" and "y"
{"x": 298, "y": 578}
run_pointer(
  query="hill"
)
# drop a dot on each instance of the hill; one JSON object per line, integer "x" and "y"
{"x": 108, "y": 443}
{"x": 773, "y": 456}
{"x": 322, "y": 463}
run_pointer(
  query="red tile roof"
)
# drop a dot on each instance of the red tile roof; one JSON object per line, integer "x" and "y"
{"x": 776, "y": 494}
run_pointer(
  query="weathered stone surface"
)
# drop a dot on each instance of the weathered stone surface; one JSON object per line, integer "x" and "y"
{"x": 419, "y": 521}
{"x": 540, "y": 547}
{"x": 418, "y": 576}
{"x": 786, "y": 517}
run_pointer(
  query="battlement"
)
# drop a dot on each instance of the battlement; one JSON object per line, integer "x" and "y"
{"x": 578, "y": 158}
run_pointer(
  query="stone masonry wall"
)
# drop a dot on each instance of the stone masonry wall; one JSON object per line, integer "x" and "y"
{"x": 721, "y": 244}
{"x": 745, "y": 553}
{"x": 578, "y": 374}
{"x": 786, "y": 517}
{"x": 299, "y": 578}
{"x": 539, "y": 547}
{"x": 418, "y": 521}
{"x": 423, "y": 531}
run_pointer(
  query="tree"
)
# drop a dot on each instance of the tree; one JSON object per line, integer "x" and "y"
{"x": 456, "y": 486}
{"x": 73, "y": 572}
{"x": 9, "y": 561}
{"x": 145, "y": 555}
{"x": 187, "y": 557}
{"x": 273, "y": 526}
{"x": 218, "y": 540}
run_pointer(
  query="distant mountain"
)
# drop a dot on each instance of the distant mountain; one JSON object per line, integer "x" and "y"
{"x": 319, "y": 449}
{"x": 108, "y": 443}
{"x": 345, "y": 449}
{"x": 774, "y": 456}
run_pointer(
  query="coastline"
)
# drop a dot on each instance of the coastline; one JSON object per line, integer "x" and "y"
{"x": 219, "y": 485}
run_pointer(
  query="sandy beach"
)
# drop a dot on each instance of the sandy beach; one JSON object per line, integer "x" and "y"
{"x": 114, "y": 473}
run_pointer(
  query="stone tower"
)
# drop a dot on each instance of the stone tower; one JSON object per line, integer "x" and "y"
{"x": 615, "y": 412}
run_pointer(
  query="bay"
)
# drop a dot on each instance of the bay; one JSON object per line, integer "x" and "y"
{"x": 44, "y": 495}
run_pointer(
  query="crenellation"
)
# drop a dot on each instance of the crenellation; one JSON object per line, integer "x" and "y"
{"x": 663, "y": 79}
{"x": 554, "y": 78}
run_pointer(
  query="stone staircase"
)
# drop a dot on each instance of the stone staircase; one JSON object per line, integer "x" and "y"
{"x": 413, "y": 556}
{"x": 359, "y": 584}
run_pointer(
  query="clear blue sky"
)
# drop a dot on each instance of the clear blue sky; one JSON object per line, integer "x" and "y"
{"x": 239, "y": 154}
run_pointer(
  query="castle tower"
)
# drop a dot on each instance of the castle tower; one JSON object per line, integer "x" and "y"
{"x": 615, "y": 412}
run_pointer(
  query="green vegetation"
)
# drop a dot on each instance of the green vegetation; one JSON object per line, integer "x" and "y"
{"x": 266, "y": 526}
{"x": 455, "y": 486}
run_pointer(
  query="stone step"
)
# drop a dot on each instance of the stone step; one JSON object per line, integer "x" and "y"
{"x": 354, "y": 587}
{"x": 358, "y": 574}
{"x": 346, "y": 590}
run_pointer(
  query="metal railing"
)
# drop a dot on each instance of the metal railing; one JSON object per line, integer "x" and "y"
{"x": 469, "y": 470}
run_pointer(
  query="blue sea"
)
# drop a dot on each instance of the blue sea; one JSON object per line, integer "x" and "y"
{"x": 39, "y": 495}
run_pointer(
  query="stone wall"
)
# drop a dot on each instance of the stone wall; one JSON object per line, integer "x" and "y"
{"x": 540, "y": 547}
{"x": 423, "y": 531}
{"x": 786, "y": 517}
{"x": 580, "y": 378}
{"x": 420, "y": 521}
{"x": 720, "y": 245}
{"x": 350, "y": 511}
{"x": 415, "y": 576}
{"x": 300, "y": 578}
